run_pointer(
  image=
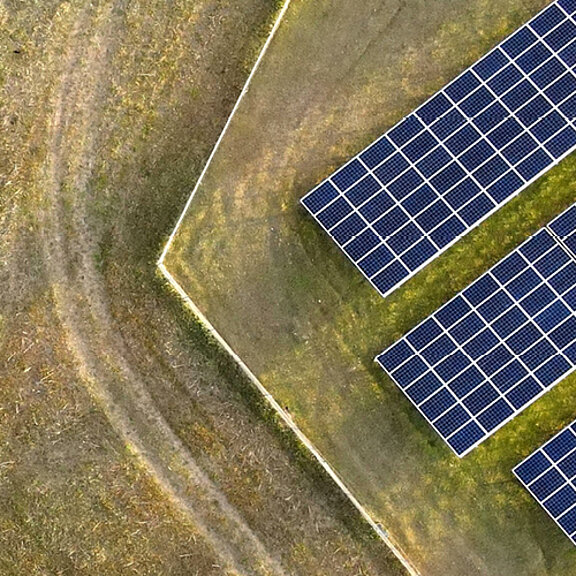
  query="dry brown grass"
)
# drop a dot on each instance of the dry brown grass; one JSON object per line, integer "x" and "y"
{"x": 128, "y": 441}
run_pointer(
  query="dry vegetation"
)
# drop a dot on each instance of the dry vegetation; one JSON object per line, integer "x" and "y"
{"x": 302, "y": 318}
{"x": 129, "y": 443}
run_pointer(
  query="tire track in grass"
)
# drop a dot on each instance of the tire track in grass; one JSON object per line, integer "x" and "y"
{"x": 99, "y": 351}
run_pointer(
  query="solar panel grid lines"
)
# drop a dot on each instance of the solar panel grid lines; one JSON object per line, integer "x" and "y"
{"x": 498, "y": 345}
{"x": 549, "y": 474}
{"x": 563, "y": 230}
{"x": 459, "y": 157}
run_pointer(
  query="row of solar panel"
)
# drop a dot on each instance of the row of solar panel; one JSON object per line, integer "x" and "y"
{"x": 359, "y": 236}
{"x": 458, "y": 157}
{"x": 549, "y": 474}
{"x": 498, "y": 345}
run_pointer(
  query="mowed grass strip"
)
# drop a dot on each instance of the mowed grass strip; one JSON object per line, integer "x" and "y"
{"x": 303, "y": 319}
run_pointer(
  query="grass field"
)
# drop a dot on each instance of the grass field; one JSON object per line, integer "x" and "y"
{"x": 307, "y": 324}
{"x": 129, "y": 443}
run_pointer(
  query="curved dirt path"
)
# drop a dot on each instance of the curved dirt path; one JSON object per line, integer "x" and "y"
{"x": 96, "y": 344}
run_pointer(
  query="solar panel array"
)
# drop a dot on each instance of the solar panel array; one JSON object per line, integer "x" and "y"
{"x": 498, "y": 345}
{"x": 459, "y": 157}
{"x": 549, "y": 474}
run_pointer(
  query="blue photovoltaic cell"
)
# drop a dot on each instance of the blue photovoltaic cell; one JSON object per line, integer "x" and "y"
{"x": 548, "y": 474}
{"x": 495, "y": 347}
{"x": 459, "y": 157}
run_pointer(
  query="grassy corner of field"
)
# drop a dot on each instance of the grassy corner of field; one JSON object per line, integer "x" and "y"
{"x": 302, "y": 318}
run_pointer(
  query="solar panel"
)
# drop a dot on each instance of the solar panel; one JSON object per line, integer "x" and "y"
{"x": 498, "y": 345}
{"x": 459, "y": 157}
{"x": 549, "y": 474}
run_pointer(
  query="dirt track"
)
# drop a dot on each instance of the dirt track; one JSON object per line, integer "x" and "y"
{"x": 92, "y": 336}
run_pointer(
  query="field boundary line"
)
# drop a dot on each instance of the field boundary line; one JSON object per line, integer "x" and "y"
{"x": 245, "y": 88}
{"x": 286, "y": 418}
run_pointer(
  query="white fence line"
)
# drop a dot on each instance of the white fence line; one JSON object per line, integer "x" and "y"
{"x": 289, "y": 422}
{"x": 225, "y": 129}
{"x": 270, "y": 399}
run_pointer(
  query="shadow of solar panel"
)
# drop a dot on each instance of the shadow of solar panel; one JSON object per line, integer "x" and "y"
{"x": 460, "y": 156}
{"x": 549, "y": 475}
{"x": 498, "y": 345}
